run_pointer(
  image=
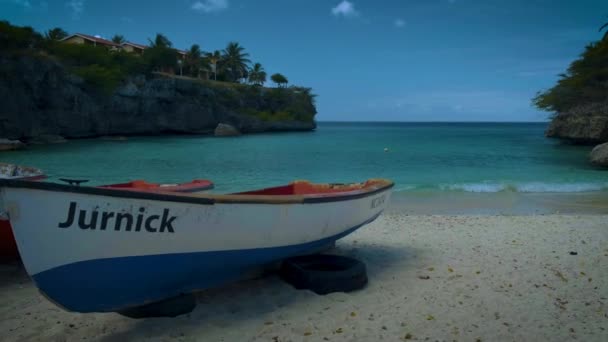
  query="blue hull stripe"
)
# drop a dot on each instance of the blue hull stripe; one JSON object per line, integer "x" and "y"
{"x": 112, "y": 284}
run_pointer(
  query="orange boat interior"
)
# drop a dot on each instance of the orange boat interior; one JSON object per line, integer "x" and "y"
{"x": 307, "y": 188}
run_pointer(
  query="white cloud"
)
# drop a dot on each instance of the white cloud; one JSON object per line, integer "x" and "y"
{"x": 399, "y": 23}
{"x": 77, "y": 7}
{"x": 345, "y": 8}
{"x": 209, "y": 6}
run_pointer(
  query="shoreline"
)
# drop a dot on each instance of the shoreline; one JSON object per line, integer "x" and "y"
{"x": 431, "y": 277}
{"x": 499, "y": 203}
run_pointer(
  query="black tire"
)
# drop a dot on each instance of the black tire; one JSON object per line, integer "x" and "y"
{"x": 323, "y": 273}
{"x": 171, "y": 307}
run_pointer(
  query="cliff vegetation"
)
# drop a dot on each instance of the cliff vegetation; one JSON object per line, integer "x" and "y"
{"x": 54, "y": 88}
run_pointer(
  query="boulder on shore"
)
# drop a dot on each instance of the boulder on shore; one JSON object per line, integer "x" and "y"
{"x": 226, "y": 130}
{"x": 44, "y": 139}
{"x": 9, "y": 145}
{"x": 599, "y": 155}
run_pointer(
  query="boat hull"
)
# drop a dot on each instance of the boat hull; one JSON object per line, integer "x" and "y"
{"x": 8, "y": 247}
{"x": 167, "y": 248}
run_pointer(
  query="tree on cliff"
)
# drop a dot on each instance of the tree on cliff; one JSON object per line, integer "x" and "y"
{"x": 213, "y": 58}
{"x": 279, "y": 79}
{"x": 160, "y": 41}
{"x": 15, "y": 37}
{"x": 605, "y": 26}
{"x": 585, "y": 82}
{"x": 160, "y": 56}
{"x": 257, "y": 75}
{"x": 235, "y": 62}
{"x": 118, "y": 39}
{"x": 193, "y": 61}
{"x": 55, "y": 34}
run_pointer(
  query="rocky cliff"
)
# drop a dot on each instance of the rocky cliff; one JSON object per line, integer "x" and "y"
{"x": 40, "y": 97}
{"x": 584, "y": 124}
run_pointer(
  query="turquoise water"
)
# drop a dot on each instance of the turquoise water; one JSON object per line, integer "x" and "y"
{"x": 436, "y": 157}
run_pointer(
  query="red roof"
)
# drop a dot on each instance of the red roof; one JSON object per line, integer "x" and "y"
{"x": 139, "y": 46}
{"x": 94, "y": 39}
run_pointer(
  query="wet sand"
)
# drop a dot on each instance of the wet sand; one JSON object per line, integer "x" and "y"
{"x": 432, "y": 278}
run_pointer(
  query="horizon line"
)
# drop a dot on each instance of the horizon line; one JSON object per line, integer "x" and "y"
{"x": 388, "y": 121}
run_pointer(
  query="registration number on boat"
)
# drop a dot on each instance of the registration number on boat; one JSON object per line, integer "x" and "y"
{"x": 378, "y": 201}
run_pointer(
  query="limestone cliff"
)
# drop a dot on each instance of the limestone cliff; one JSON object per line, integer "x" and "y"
{"x": 41, "y": 97}
{"x": 584, "y": 124}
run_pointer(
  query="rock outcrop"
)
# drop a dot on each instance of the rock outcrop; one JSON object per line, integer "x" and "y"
{"x": 40, "y": 97}
{"x": 583, "y": 125}
{"x": 9, "y": 145}
{"x": 226, "y": 130}
{"x": 44, "y": 139}
{"x": 599, "y": 155}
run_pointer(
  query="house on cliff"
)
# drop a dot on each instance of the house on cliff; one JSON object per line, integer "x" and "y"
{"x": 134, "y": 48}
{"x": 79, "y": 38}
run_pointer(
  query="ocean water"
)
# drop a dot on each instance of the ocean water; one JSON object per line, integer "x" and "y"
{"x": 421, "y": 158}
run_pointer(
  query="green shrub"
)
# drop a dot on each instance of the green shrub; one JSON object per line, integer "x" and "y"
{"x": 103, "y": 78}
{"x": 15, "y": 37}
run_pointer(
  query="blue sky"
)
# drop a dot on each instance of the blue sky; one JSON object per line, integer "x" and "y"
{"x": 399, "y": 60}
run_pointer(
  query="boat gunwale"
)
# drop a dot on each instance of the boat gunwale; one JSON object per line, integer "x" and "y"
{"x": 205, "y": 199}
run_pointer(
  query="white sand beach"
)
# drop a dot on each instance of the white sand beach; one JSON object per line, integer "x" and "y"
{"x": 432, "y": 278}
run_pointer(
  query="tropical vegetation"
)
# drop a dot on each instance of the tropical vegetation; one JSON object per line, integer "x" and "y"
{"x": 235, "y": 62}
{"x": 231, "y": 64}
{"x": 118, "y": 39}
{"x": 279, "y": 79}
{"x": 605, "y": 26}
{"x": 230, "y": 69}
{"x": 257, "y": 75}
{"x": 55, "y": 34}
{"x": 585, "y": 81}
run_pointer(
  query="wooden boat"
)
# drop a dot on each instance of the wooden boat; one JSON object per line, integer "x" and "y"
{"x": 92, "y": 249}
{"x": 8, "y": 247}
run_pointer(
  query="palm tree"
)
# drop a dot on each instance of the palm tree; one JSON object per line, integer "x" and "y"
{"x": 214, "y": 58}
{"x": 160, "y": 41}
{"x": 257, "y": 75}
{"x": 118, "y": 39}
{"x": 55, "y": 34}
{"x": 279, "y": 79}
{"x": 602, "y": 28}
{"x": 193, "y": 60}
{"x": 235, "y": 61}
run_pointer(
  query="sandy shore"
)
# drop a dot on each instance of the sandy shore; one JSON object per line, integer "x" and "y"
{"x": 435, "y": 278}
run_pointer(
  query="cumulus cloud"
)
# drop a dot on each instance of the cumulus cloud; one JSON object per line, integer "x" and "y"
{"x": 209, "y": 6}
{"x": 345, "y": 9}
{"x": 76, "y": 6}
{"x": 399, "y": 23}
